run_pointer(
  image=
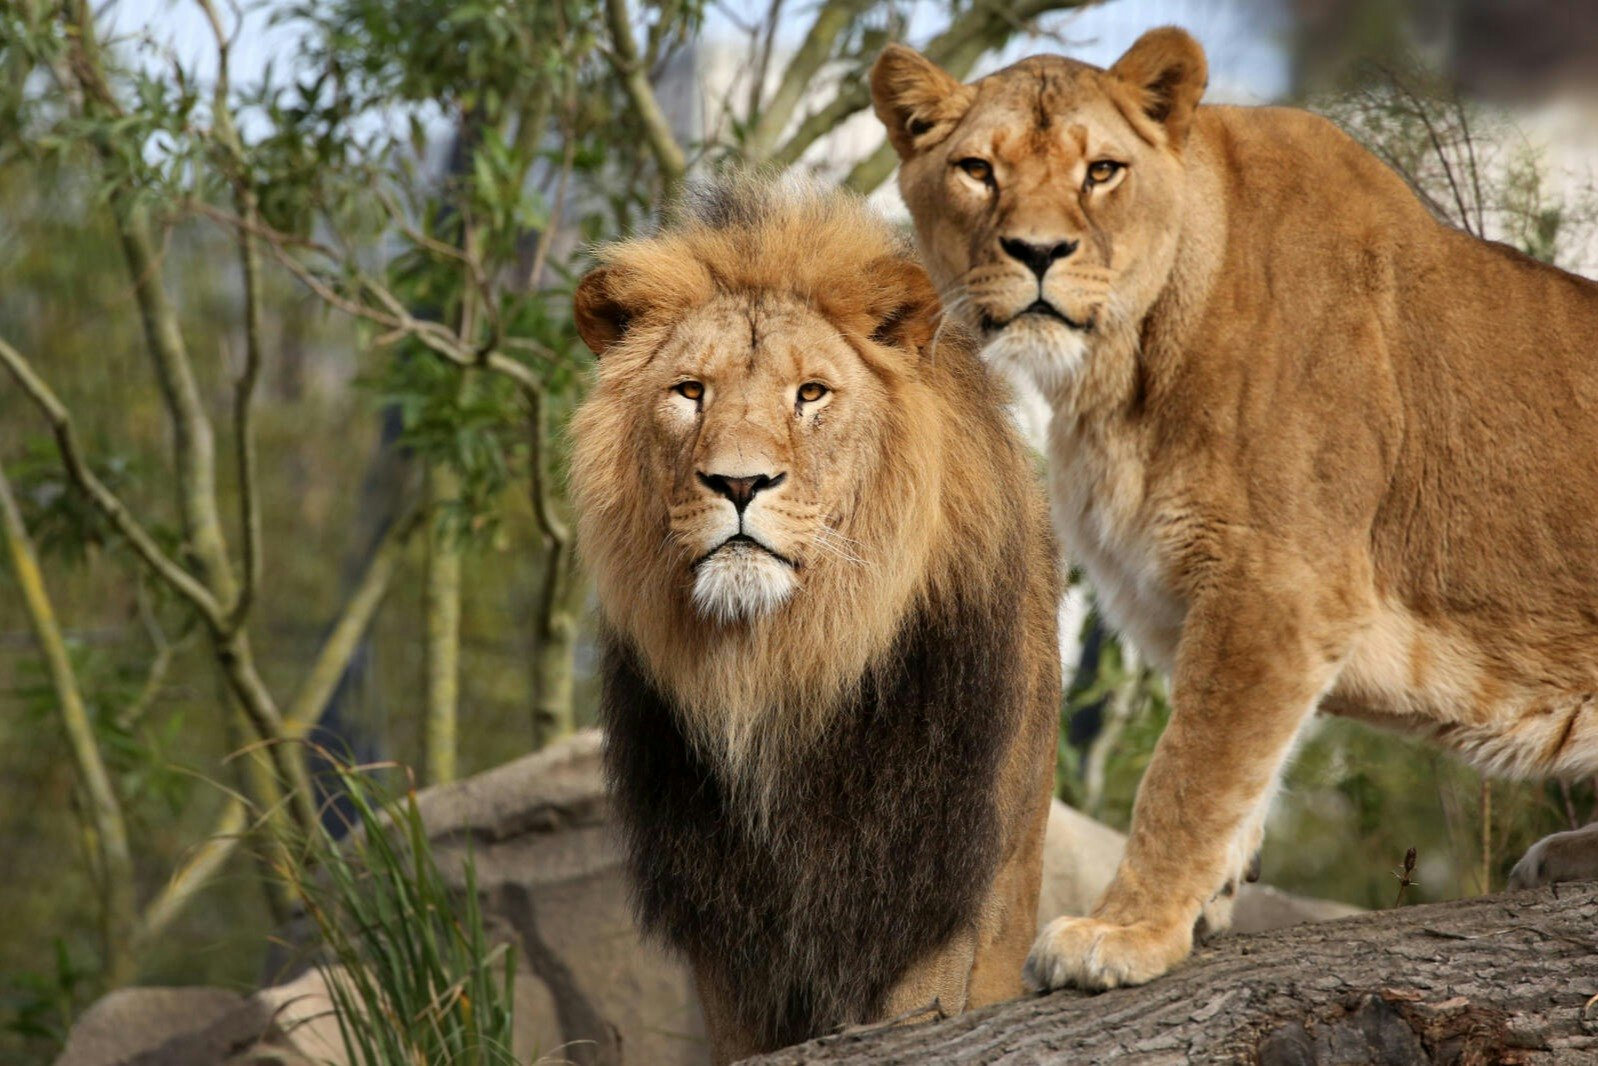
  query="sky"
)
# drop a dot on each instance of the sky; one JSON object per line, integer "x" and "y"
{"x": 1246, "y": 61}
{"x": 1241, "y": 38}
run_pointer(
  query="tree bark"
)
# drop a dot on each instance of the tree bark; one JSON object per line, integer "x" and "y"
{"x": 1497, "y": 979}
{"x": 443, "y": 617}
{"x": 555, "y": 656}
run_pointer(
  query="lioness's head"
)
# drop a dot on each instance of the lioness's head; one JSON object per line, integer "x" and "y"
{"x": 756, "y": 469}
{"x": 1046, "y": 196}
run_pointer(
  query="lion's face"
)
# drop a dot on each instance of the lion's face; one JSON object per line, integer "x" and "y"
{"x": 762, "y": 427}
{"x": 1047, "y": 197}
{"x": 734, "y": 454}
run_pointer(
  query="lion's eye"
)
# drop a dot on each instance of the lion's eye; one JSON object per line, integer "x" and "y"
{"x": 979, "y": 169}
{"x": 690, "y": 390}
{"x": 1102, "y": 171}
{"x": 811, "y": 391}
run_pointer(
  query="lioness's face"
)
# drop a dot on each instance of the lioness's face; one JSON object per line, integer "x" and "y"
{"x": 758, "y": 438}
{"x": 1046, "y": 197}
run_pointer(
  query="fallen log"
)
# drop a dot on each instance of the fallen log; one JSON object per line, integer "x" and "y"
{"x": 1499, "y": 979}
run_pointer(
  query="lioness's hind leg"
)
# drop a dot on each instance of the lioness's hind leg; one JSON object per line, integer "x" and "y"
{"x": 1568, "y": 856}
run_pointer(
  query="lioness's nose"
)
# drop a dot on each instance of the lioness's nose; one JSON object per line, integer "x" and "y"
{"x": 1039, "y": 257}
{"x": 740, "y": 490}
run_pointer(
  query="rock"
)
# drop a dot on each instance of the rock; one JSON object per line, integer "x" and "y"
{"x": 130, "y": 1021}
{"x": 550, "y": 879}
{"x": 1080, "y": 856}
{"x": 549, "y": 875}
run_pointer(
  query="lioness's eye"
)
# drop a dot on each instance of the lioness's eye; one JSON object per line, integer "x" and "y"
{"x": 1102, "y": 171}
{"x": 811, "y": 391}
{"x": 690, "y": 390}
{"x": 977, "y": 168}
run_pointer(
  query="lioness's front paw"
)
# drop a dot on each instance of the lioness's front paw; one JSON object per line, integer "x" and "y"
{"x": 1095, "y": 955}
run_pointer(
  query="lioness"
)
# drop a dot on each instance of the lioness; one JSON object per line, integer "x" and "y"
{"x": 827, "y": 584}
{"x": 1312, "y": 447}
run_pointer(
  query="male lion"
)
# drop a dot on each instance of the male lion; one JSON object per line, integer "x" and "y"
{"x": 1312, "y": 447}
{"x": 827, "y": 585}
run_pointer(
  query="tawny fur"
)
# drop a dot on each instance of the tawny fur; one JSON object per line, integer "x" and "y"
{"x": 1312, "y": 447}
{"x": 835, "y": 796}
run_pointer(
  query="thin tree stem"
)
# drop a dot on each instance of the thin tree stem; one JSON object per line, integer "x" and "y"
{"x": 323, "y": 677}
{"x": 102, "y": 810}
{"x": 442, "y": 607}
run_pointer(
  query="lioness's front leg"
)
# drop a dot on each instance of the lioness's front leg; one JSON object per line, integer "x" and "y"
{"x": 1249, "y": 670}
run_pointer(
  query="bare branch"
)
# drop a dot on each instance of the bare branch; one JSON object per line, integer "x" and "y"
{"x": 250, "y": 264}
{"x": 762, "y": 59}
{"x": 104, "y": 500}
{"x": 320, "y": 681}
{"x": 1463, "y": 114}
{"x": 624, "y": 57}
{"x": 1421, "y": 110}
{"x": 981, "y": 28}
{"x": 160, "y": 663}
{"x": 557, "y": 211}
{"x": 206, "y": 861}
{"x": 394, "y": 317}
{"x": 230, "y": 646}
{"x": 832, "y": 20}
{"x": 873, "y": 170}
{"x": 543, "y": 507}
{"x": 244, "y": 434}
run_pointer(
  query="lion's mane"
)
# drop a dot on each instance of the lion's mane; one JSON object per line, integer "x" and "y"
{"x": 881, "y": 702}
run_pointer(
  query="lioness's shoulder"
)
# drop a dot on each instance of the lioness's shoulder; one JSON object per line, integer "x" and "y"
{"x": 1287, "y": 160}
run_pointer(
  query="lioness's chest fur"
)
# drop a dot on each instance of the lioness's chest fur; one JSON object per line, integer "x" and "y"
{"x": 1109, "y": 526}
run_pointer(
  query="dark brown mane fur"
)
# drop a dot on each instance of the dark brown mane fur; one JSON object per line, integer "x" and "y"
{"x": 885, "y": 841}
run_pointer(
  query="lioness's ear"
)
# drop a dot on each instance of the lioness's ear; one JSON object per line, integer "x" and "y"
{"x": 916, "y": 99}
{"x": 1167, "y": 70}
{"x": 601, "y": 319}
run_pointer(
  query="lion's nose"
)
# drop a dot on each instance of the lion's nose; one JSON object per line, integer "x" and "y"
{"x": 1038, "y": 257}
{"x": 740, "y": 490}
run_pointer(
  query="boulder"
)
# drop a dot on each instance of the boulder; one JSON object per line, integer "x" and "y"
{"x": 1080, "y": 856}
{"x": 131, "y": 1021}
{"x": 549, "y": 875}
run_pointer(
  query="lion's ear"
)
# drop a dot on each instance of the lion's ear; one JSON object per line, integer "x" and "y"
{"x": 916, "y": 99}
{"x": 905, "y": 315}
{"x": 1167, "y": 70}
{"x": 601, "y": 318}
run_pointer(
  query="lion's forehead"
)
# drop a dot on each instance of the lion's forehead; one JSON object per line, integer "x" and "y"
{"x": 756, "y": 338}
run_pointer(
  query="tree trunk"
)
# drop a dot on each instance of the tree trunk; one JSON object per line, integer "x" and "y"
{"x": 555, "y": 656}
{"x": 1497, "y": 979}
{"x": 443, "y": 611}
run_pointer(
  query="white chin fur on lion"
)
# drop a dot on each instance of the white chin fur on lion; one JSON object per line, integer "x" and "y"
{"x": 1040, "y": 351}
{"x": 740, "y": 583}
